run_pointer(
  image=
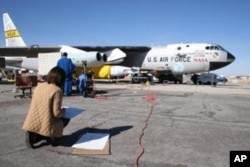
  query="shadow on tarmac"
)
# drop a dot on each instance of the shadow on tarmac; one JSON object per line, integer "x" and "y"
{"x": 98, "y": 92}
{"x": 69, "y": 140}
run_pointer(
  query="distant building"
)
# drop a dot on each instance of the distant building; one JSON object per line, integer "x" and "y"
{"x": 239, "y": 79}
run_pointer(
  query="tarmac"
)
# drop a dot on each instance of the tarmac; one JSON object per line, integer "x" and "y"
{"x": 150, "y": 126}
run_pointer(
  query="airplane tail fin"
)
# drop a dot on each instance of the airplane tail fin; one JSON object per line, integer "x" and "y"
{"x": 12, "y": 36}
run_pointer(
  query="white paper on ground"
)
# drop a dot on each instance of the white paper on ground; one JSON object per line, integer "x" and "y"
{"x": 71, "y": 112}
{"x": 92, "y": 141}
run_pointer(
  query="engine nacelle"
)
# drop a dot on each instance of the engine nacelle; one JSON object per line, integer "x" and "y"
{"x": 101, "y": 57}
{"x": 78, "y": 56}
{"x": 93, "y": 59}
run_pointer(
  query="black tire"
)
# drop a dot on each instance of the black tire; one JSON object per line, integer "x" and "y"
{"x": 161, "y": 79}
{"x": 135, "y": 80}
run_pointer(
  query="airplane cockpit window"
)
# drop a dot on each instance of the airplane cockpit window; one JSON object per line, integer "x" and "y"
{"x": 221, "y": 48}
{"x": 214, "y": 47}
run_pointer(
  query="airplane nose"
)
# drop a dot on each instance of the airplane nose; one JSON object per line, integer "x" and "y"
{"x": 218, "y": 65}
{"x": 230, "y": 57}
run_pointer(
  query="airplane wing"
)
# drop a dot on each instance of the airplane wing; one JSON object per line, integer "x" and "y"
{"x": 33, "y": 51}
{"x": 123, "y": 55}
{"x": 26, "y": 51}
{"x": 134, "y": 54}
{"x": 126, "y": 49}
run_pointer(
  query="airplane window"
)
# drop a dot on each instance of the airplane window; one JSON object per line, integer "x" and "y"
{"x": 187, "y": 45}
{"x": 216, "y": 47}
{"x": 221, "y": 48}
{"x": 179, "y": 48}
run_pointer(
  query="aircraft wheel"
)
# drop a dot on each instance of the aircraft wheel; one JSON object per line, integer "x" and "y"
{"x": 135, "y": 80}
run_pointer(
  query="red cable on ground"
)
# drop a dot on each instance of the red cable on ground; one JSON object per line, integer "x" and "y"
{"x": 149, "y": 98}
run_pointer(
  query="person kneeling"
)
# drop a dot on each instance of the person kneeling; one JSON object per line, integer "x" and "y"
{"x": 45, "y": 118}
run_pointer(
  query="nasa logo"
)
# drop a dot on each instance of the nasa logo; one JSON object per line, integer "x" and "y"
{"x": 215, "y": 55}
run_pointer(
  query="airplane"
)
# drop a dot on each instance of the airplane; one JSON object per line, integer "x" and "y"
{"x": 17, "y": 54}
{"x": 172, "y": 60}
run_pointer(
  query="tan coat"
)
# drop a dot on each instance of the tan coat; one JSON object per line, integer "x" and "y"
{"x": 45, "y": 113}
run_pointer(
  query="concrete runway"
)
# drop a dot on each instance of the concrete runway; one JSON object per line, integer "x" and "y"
{"x": 188, "y": 126}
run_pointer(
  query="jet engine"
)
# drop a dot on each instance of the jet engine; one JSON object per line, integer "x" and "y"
{"x": 101, "y": 57}
{"x": 78, "y": 56}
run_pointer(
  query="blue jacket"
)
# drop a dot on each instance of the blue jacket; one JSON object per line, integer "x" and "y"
{"x": 67, "y": 65}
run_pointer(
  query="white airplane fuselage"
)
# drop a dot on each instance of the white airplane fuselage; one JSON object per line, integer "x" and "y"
{"x": 187, "y": 58}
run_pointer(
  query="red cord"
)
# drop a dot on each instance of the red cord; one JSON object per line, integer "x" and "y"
{"x": 149, "y": 98}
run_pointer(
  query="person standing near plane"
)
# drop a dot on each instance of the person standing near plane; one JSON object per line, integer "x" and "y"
{"x": 81, "y": 82}
{"x": 66, "y": 64}
{"x": 44, "y": 120}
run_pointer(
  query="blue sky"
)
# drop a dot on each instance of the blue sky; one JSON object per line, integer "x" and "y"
{"x": 135, "y": 22}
